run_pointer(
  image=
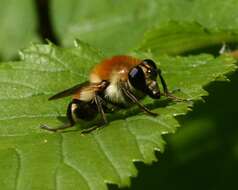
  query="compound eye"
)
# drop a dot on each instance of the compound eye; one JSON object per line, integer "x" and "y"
{"x": 137, "y": 78}
{"x": 153, "y": 73}
{"x": 150, "y": 63}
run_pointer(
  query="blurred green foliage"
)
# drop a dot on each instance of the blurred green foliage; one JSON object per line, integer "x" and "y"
{"x": 117, "y": 26}
{"x": 18, "y": 23}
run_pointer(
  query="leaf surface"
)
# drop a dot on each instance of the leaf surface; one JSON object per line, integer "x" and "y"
{"x": 32, "y": 158}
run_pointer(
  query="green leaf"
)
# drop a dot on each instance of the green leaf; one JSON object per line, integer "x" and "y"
{"x": 32, "y": 158}
{"x": 179, "y": 38}
{"x": 118, "y": 26}
{"x": 18, "y": 26}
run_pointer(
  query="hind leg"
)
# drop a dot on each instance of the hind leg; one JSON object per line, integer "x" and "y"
{"x": 69, "y": 124}
{"x": 62, "y": 127}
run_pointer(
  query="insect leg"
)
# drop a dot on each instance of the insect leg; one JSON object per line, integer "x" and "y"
{"x": 64, "y": 126}
{"x": 166, "y": 91}
{"x": 99, "y": 103}
{"x": 128, "y": 93}
{"x": 100, "y": 108}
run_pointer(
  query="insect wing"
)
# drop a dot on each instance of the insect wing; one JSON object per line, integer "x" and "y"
{"x": 69, "y": 91}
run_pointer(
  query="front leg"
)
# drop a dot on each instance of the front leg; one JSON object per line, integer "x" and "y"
{"x": 126, "y": 91}
{"x": 165, "y": 88}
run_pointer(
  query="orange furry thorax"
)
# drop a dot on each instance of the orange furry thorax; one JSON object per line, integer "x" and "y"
{"x": 117, "y": 65}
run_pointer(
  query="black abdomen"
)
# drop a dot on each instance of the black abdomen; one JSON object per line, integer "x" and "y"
{"x": 81, "y": 110}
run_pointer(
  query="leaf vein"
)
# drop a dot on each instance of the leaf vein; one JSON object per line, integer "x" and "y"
{"x": 18, "y": 155}
{"x": 54, "y": 59}
{"x": 149, "y": 140}
{"x": 70, "y": 165}
{"x": 106, "y": 155}
{"x": 134, "y": 136}
{"x": 20, "y": 84}
{"x": 30, "y": 116}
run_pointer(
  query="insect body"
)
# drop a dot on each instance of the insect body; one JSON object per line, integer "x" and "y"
{"x": 120, "y": 81}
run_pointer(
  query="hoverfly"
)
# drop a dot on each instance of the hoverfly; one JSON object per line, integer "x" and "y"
{"x": 120, "y": 80}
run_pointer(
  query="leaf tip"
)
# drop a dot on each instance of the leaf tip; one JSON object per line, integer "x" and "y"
{"x": 49, "y": 42}
{"x": 21, "y": 54}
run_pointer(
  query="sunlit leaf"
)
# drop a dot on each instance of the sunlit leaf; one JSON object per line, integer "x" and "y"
{"x": 32, "y": 158}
